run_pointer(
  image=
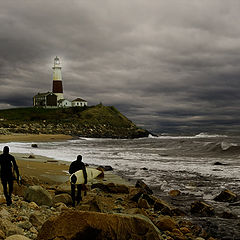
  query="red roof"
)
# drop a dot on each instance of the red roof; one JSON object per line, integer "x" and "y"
{"x": 79, "y": 100}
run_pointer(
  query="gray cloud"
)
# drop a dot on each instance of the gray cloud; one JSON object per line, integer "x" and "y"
{"x": 167, "y": 65}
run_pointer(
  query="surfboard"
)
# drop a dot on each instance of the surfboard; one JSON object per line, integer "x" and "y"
{"x": 78, "y": 178}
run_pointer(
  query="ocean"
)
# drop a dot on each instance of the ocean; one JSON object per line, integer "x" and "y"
{"x": 149, "y": 158}
{"x": 200, "y": 166}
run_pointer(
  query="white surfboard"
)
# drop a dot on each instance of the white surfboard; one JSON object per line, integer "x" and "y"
{"x": 91, "y": 174}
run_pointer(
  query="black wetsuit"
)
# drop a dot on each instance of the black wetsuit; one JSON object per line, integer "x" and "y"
{"x": 7, "y": 163}
{"x": 74, "y": 167}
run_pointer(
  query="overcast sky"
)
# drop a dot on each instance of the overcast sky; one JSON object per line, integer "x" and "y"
{"x": 168, "y": 65}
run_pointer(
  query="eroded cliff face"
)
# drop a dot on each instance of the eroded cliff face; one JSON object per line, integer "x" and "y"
{"x": 97, "y": 121}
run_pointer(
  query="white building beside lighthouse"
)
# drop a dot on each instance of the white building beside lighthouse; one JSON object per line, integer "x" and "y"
{"x": 55, "y": 99}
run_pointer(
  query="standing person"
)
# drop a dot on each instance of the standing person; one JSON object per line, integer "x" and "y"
{"x": 8, "y": 164}
{"x": 74, "y": 167}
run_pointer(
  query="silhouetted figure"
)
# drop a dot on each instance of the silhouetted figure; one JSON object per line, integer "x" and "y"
{"x": 8, "y": 166}
{"x": 74, "y": 167}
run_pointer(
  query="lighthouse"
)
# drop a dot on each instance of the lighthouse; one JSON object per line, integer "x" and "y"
{"x": 57, "y": 88}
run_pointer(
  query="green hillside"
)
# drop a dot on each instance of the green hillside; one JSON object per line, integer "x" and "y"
{"x": 95, "y": 121}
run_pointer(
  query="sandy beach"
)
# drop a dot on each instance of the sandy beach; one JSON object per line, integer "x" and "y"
{"x": 34, "y": 137}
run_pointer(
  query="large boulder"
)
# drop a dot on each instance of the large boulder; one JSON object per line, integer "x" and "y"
{"x": 144, "y": 186}
{"x": 36, "y": 220}
{"x": 9, "y": 228}
{"x": 202, "y": 209}
{"x": 117, "y": 188}
{"x": 17, "y": 237}
{"x": 19, "y": 189}
{"x": 63, "y": 188}
{"x": 64, "y": 198}
{"x": 38, "y": 195}
{"x": 165, "y": 223}
{"x": 163, "y": 207}
{"x": 111, "y": 187}
{"x": 93, "y": 225}
{"x": 226, "y": 196}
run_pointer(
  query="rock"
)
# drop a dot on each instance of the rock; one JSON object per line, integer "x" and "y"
{"x": 2, "y": 235}
{"x": 102, "y": 172}
{"x": 33, "y": 230}
{"x": 134, "y": 211}
{"x": 226, "y": 196}
{"x": 33, "y": 205}
{"x": 229, "y": 215}
{"x": 92, "y": 225}
{"x": 19, "y": 190}
{"x": 111, "y": 187}
{"x": 163, "y": 207}
{"x": 135, "y": 194}
{"x": 144, "y": 186}
{"x": 202, "y": 209}
{"x": 63, "y": 188}
{"x": 31, "y": 156}
{"x": 117, "y": 188}
{"x": 143, "y": 203}
{"x": 9, "y": 228}
{"x": 2, "y": 200}
{"x": 17, "y": 237}
{"x": 219, "y": 164}
{"x": 101, "y": 186}
{"x": 38, "y": 195}
{"x": 106, "y": 168}
{"x": 36, "y": 220}
{"x": 34, "y": 145}
{"x": 94, "y": 205}
{"x": 185, "y": 230}
{"x": 4, "y": 214}
{"x": 165, "y": 223}
{"x": 25, "y": 225}
{"x": 149, "y": 199}
{"x": 177, "y": 234}
{"x": 177, "y": 212}
{"x": 64, "y": 198}
{"x": 174, "y": 193}
{"x": 60, "y": 206}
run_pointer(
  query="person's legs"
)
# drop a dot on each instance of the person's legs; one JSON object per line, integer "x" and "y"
{"x": 5, "y": 191}
{"x": 10, "y": 189}
{"x": 73, "y": 194}
{"x": 79, "y": 197}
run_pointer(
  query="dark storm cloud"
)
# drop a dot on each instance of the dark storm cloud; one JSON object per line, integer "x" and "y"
{"x": 168, "y": 65}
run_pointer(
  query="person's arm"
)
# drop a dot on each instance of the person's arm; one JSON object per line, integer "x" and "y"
{"x": 84, "y": 173}
{"x": 71, "y": 169}
{"x": 15, "y": 168}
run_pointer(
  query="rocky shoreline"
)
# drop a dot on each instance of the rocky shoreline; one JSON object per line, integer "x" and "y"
{"x": 78, "y": 130}
{"x": 42, "y": 209}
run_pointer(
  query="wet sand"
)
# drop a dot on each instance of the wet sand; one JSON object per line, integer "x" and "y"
{"x": 34, "y": 137}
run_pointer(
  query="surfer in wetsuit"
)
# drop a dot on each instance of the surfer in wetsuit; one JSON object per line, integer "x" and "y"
{"x": 74, "y": 167}
{"x": 8, "y": 163}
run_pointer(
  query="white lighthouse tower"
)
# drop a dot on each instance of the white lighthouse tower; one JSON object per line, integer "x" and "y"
{"x": 57, "y": 79}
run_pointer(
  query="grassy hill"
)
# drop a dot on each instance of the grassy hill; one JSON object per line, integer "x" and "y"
{"x": 95, "y": 121}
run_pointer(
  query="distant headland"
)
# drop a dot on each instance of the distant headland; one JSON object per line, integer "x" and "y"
{"x": 53, "y": 114}
{"x": 95, "y": 121}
